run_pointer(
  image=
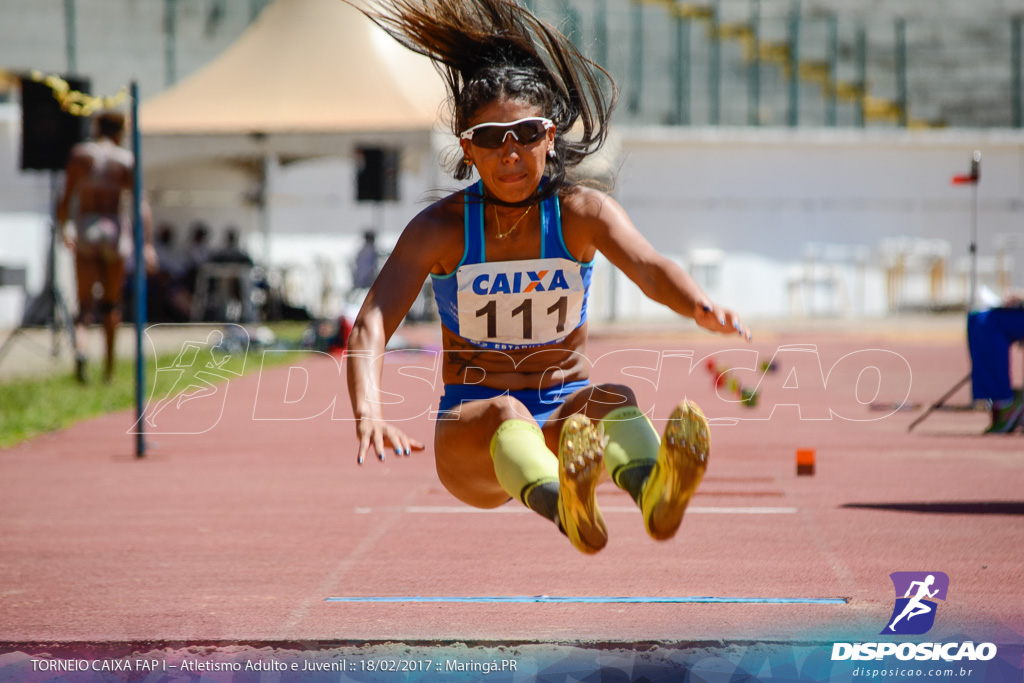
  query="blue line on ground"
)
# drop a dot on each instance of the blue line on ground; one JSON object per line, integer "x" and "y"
{"x": 590, "y": 599}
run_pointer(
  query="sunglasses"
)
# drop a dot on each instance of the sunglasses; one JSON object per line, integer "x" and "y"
{"x": 493, "y": 135}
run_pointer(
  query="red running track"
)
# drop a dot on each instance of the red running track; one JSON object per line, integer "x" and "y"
{"x": 240, "y": 532}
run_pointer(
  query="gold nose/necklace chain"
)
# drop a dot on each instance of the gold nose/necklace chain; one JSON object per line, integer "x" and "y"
{"x": 502, "y": 235}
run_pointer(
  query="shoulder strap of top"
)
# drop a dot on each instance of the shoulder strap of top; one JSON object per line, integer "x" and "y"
{"x": 553, "y": 245}
{"x": 554, "y": 239}
{"x": 474, "y": 223}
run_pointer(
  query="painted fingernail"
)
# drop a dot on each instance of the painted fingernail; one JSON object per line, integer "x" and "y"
{"x": 706, "y": 308}
{"x": 398, "y": 451}
{"x": 407, "y": 451}
{"x": 360, "y": 460}
{"x": 721, "y": 320}
{"x": 381, "y": 456}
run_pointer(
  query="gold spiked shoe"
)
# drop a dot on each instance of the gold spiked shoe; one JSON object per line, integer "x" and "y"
{"x": 682, "y": 460}
{"x": 580, "y": 456}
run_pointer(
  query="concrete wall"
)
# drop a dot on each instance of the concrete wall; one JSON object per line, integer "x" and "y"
{"x": 837, "y": 207}
{"x": 774, "y": 223}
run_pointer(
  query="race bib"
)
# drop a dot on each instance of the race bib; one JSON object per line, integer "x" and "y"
{"x": 514, "y": 304}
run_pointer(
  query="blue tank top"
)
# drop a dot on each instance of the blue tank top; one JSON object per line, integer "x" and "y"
{"x": 507, "y": 305}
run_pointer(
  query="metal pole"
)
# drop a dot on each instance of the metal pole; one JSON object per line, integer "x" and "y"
{"x": 51, "y": 271}
{"x": 577, "y": 27}
{"x": 715, "y": 67}
{"x": 976, "y": 180}
{"x": 268, "y": 164}
{"x": 71, "y": 36}
{"x": 972, "y": 299}
{"x": 1016, "y": 69}
{"x": 682, "y": 68}
{"x": 601, "y": 32}
{"x": 140, "y": 279}
{"x": 794, "y": 65}
{"x": 901, "y": 70}
{"x": 754, "y": 107}
{"x": 571, "y": 23}
{"x": 170, "y": 42}
{"x": 938, "y": 404}
{"x": 862, "y": 72}
{"x": 637, "y": 59}
{"x": 833, "y": 65}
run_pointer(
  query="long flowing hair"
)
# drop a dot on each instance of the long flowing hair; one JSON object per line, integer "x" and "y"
{"x": 487, "y": 49}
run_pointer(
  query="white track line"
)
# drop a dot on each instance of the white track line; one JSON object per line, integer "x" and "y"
{"x": 465, "y": 509}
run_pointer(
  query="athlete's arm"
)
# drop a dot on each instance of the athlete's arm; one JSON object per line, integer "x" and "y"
{"x": 420, "y": 248}
{"x": 593, "y": 219}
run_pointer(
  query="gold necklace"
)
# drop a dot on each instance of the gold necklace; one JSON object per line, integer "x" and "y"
{"x": 502, "y": 235}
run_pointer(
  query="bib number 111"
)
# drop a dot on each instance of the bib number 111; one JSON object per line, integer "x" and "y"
{"x": 525, "y": 310}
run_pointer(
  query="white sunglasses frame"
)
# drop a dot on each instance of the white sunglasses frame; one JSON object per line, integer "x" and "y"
{"x": 468, "y": 133}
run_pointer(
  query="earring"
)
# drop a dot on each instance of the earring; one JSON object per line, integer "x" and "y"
{"x": 467, "y": 161}
{"x": 551, "y": 153}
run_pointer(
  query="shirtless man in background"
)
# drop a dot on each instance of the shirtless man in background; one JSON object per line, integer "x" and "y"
{"x": 99, "y": 173}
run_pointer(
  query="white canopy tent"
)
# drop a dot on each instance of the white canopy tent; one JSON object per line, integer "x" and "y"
{"x": 305, "y": 66}
{"x": 308, "y": 79}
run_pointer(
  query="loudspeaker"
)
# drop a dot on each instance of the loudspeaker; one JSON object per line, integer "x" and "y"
{"x": 377, "y": 174}
{"x": 47, "y": 131}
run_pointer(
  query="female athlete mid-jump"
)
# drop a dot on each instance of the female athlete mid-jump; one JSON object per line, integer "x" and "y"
{"x": 511, "y": 260}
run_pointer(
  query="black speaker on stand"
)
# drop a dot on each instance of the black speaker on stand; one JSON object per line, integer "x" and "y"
{"x": 48, "y": 135}
{"x": 377, "y": 179}
{"x": 377, "y": 175}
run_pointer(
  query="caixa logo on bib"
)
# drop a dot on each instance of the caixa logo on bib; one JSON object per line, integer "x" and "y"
{"x": 914, "y": 613}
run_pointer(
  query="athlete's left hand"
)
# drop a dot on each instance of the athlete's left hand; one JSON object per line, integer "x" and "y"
{"x": 718, "y": 319}
{"x": 376, "y": 433}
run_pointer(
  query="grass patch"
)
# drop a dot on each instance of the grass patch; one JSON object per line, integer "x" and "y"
{"x": 35, "y": 406}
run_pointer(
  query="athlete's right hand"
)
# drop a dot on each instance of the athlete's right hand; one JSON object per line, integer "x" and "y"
{"x": 377, "y": 433}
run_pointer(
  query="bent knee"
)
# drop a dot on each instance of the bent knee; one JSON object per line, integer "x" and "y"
{"x": 504, "y": 408}
{"x": 475, "y": 491}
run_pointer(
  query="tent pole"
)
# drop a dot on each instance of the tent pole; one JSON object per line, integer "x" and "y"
{"x": 264, "y": 224}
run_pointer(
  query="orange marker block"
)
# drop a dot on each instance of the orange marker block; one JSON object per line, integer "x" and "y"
{"x": 805, "y": 461}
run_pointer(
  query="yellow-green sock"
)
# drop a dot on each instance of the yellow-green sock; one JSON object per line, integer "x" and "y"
{"x": 525, "y": 465}
{"x": 632, "y": 448}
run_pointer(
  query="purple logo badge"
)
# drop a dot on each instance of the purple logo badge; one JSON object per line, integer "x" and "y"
{"x": 916, "y": 592}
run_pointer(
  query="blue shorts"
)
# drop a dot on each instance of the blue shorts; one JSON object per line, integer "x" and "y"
{"x": 540, "y": 402}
